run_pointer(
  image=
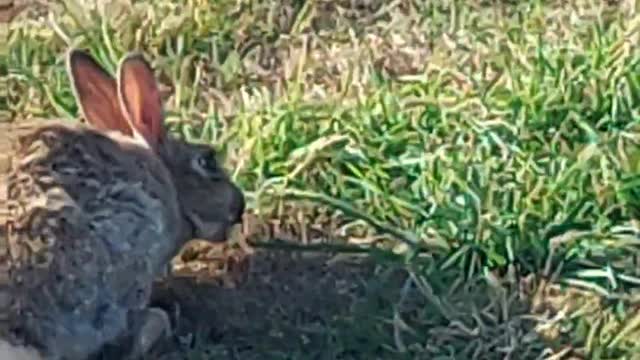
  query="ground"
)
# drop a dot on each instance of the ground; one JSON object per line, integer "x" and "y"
{"x": 425, "y": 180}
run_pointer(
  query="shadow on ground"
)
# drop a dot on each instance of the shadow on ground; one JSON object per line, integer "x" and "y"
{"x": 295, "y": 306}
{"x": 289, "y": 306}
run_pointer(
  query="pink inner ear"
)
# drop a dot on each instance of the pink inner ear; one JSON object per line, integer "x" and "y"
{"x": 141, "y": 100}
{"x": 96, "y": 93}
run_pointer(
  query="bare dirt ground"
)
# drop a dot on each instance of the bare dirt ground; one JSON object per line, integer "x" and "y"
{"x": 286, "y": 306}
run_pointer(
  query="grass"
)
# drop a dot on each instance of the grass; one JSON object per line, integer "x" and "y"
{"x": 484, "y": 153}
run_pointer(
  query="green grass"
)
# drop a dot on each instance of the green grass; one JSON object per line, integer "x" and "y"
{"x": 477, "y": 145}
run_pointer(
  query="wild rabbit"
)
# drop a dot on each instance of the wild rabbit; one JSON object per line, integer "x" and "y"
{"x": 98, "y": 211}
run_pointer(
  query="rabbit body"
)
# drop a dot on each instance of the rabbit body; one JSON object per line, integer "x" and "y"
{"x": 94, "y": 223}
{"x": 95, "y": 215}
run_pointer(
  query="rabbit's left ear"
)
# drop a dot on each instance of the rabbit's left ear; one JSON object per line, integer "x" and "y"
{"x": 95, "y": 92}
{"x": 140, "y": 98}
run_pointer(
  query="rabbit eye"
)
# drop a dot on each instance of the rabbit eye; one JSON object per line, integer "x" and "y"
{"x": 207, "y": 163}
{"x": 202, "y": 162}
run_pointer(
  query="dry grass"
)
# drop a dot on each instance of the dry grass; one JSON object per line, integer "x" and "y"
{"x": 476, "y": 158}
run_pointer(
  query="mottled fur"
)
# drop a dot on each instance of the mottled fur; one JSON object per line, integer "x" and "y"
{"x": 97, "y": 211}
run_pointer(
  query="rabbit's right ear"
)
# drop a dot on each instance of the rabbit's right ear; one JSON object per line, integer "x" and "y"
{"x": 96, "y": 93}
{"x": 140, "y": 98}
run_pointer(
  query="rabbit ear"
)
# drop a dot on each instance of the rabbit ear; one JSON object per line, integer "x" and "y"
{"x": 95, "y": 92}
{"x": 140, "y": 98}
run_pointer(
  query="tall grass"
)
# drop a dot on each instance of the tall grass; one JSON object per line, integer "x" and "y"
{"x": 481, "y": 142}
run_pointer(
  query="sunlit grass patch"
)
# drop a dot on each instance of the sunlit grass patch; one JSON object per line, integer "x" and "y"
{"x": 468, "y": 142}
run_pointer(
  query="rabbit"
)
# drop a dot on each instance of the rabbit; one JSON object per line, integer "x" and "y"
{"x": 97, "y": 211}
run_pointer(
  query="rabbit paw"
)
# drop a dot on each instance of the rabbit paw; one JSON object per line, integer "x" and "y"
{"x": 154, "y": 326}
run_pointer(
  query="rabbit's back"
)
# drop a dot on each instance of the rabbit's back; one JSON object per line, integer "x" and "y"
{"x": 90, "y": 224}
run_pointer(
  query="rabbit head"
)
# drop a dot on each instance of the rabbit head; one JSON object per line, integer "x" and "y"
{"x": 131, "y": 105}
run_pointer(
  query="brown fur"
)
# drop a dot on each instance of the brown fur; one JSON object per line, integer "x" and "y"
{"x": 98, "y": 210}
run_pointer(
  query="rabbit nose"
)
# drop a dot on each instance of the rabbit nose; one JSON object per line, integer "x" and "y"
{"x": 237, "y": 207}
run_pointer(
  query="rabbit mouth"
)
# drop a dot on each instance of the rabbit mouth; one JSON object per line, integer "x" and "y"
{"x": 218, "y": 231}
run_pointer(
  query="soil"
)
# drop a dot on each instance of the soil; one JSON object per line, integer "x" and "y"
{"x": 286, "y": 305}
